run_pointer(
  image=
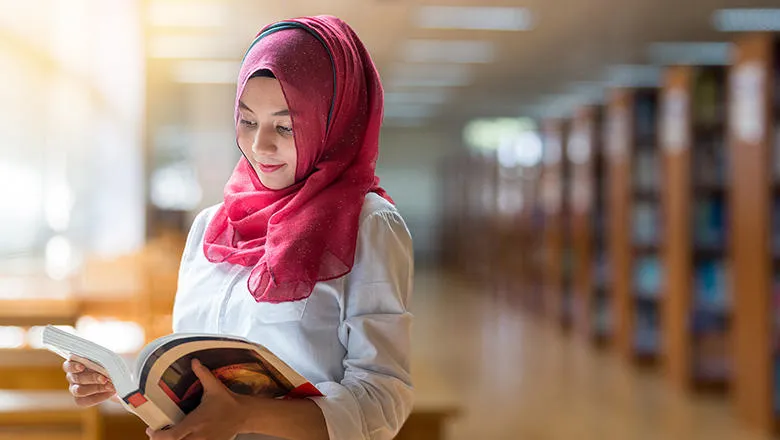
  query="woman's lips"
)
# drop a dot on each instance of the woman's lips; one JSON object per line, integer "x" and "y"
{"x": 269, "y": 168}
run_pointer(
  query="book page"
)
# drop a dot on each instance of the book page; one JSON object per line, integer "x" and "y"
{"x": 92, "y": 355}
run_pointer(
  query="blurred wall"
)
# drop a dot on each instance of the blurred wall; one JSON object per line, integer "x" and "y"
{"x": 408, "y": 167}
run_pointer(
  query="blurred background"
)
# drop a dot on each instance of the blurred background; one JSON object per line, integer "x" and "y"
{"x": 592, "y": 189}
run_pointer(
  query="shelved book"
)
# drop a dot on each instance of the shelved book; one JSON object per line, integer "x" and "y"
{"x": 711, "y": 281}
{"x": 161, "y": 388}
{"x": 647, "y": 333}
{"x": 709, "y": 222}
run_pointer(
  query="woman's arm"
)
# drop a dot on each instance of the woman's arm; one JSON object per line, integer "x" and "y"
{"x": 290, "y": 419}
{"x": 375, "y": 396}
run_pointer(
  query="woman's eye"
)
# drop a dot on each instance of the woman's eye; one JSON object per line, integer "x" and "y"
{"x": 283, "y": 129}
{"x": 246, "y": 123}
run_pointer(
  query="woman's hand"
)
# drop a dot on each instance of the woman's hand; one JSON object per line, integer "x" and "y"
{"x": 219, "y": 416}
{"x": 88, "y": 387}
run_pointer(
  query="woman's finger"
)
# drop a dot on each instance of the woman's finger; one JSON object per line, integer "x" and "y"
{"x": 93, "y": 399}
{"x": 89, "y": 390}
{"x": 88, "y": 377}
{"x": 72, "y": 367}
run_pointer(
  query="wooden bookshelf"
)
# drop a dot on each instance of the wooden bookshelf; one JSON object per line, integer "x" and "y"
{"x": 752, "y": 122}
{"x": 552, "y": 197}
{"x": 567, "y": 261}
{"x": 590, "y": 302}
{"x": 601, "y": 300}
{"x": 632, "y": 175}
{"x": 696, "y": 308}
{"x": 532, "y": 225}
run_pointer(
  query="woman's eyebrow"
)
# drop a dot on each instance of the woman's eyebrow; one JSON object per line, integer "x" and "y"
{"x": 244, "y": 106}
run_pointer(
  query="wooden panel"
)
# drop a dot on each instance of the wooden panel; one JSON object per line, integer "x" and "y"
{"x": 38, "y": 311}
{"x": 676, "y": 242}
{"x": 750, "y": 220}
{"x": 620, "y": 133}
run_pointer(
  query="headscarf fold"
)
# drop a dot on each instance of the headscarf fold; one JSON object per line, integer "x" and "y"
{"x": 294, "y": 237}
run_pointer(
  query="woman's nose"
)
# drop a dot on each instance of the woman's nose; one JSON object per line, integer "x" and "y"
{"x": 263, "y": 143}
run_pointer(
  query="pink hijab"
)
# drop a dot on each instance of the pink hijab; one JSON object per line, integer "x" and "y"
{"x": 307, "y": 232}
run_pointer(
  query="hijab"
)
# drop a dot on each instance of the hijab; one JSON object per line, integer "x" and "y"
{"x": 305, "y": 233}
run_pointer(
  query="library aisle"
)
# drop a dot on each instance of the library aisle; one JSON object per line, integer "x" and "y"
{"x": 513, "y": 375}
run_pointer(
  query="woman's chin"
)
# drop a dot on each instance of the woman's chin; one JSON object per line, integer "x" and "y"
{"x": 272, "y": 184}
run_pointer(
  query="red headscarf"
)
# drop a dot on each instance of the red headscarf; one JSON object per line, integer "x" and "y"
{"x": 307, "y": 232}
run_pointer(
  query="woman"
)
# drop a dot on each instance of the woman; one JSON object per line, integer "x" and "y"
{"x": 306, "y": 255}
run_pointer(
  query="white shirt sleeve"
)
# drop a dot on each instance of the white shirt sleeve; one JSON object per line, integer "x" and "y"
{"x": 375, "y": 396}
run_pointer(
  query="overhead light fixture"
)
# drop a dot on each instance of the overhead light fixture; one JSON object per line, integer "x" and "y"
{"x": 193, "y": 46}
{"x": 633, "y": 76}
{"x": 206, "y": 72}
{"x": 587, "y": 92}
{"x": 172, "y": 13}
{"x": 474, "y": 18}
{"x": 430, "y": 75}
{"x": 702, "y": 54}
{"x": 449, "y": 51}
{"x": 561, "y": 105}
{"x": 746, "y": 20}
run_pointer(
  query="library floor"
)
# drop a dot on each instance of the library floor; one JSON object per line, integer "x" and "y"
{"x": 512, "y": 376}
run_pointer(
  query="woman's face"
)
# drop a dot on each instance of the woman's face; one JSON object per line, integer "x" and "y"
{"x": 265, "y": 132}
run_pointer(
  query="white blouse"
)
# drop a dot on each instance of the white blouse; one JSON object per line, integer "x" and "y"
{"x": 351, "y": 337}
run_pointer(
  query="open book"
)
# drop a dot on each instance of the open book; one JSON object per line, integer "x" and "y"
{"x": 162, "y": 388}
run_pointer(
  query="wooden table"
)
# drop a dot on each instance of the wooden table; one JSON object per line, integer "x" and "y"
{"x": 51, "y": 415}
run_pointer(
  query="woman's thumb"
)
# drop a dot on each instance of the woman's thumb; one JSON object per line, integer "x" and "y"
{"x": 207, "y": 379}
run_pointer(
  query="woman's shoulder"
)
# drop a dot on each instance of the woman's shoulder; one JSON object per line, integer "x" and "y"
{"x": 203, "y": 218}
{"x": 384, "y": 251}
{"x": 381, "y": 223}
{"x": 375, "y": 204}
{"x": 198, "y": 229}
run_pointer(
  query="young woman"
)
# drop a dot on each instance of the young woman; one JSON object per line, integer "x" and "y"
{"x": 306, "y": 255}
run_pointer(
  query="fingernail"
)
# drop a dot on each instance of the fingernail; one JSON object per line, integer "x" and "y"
{"x": 74, "y": 389}
{"x": 109, "y": 387}
{"x": 79, "y": 368}
{"x": 102, "y": 380}
{"x": 196, "y": 362}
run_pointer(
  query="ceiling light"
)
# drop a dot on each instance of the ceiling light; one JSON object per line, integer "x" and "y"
{"x": 746, "y": 20}
{"x": 206, "y": 72}
{"x": 562, "y": 105}
{"x": 474, "y": 18}
{"x": 703, "y": 54}
{"x": 588, "y": 92}
{"x": 446, "y": 51}
{"x": 190, "y": 14}
{"x": 633, "y": 76}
